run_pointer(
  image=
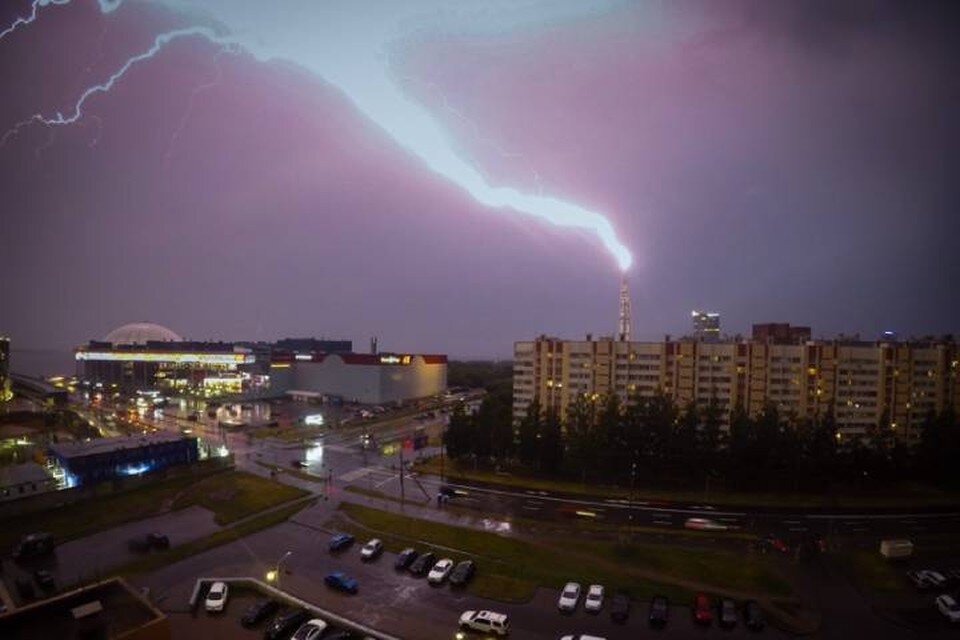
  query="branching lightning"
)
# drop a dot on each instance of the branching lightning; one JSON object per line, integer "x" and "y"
{"x": 353, "y": 55}
{"x": 34, "y": 11}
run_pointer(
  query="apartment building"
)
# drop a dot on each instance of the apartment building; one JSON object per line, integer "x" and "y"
{"x": 861, "y": 383}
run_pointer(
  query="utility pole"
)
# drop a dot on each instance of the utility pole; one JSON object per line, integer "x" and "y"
{"x": 400, "y": 453}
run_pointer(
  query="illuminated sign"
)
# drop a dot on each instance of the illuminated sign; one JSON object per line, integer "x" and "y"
{"x": 313, "y": 420}
{"x": 391, "y": 359}
{"x": 304, "y": 356}
{"x": 178, "y": 357}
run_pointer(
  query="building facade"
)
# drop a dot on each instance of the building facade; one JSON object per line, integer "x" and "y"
{"x": 103, "y": 459}
{"x": 861, "y": 383}
{"x": 368, "y": 378}
{"x": 706, "y": 325}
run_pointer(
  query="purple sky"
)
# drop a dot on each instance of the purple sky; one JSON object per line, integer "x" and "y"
{"x": 773, "y": 161}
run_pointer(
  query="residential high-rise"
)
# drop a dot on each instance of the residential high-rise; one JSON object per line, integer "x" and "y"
{"x": 706, "y": 325}
{"x": 4, "y": 369}
{"x": 860, "y": 383}
{"x": 623, "y": 325}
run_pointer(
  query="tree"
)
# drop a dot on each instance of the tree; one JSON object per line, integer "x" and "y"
{"x": 528, "y": 434}
{"x": 550, "y": 449}
{"x": 458, "y": 434}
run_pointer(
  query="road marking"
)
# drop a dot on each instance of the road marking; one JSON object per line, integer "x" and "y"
{"x": 530, "y": 507}
{"x": 383, "y": 482}
{"x": 729, "y": 519}
{"x": 664, "y": 522}
{"x": 861, "y": 530}
{"x": 798, "y": 529}
{"x": 791, "y": 522}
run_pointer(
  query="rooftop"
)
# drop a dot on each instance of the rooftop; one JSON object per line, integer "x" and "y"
{"x": 111, "y": 605}
{"x": 105, "y": 445}
{"x": 14, "y": 474}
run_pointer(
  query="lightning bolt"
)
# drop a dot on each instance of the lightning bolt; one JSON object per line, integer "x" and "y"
{"x": 76, "y": 113}
{"x": 34, "y": 11}
{"x": 358, "y": 63}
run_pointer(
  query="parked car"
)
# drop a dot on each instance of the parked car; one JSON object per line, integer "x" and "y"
{"x": 423, "y": 564}
{"x": 259, "y": 611}
{"x": 659, "y": 611}
{"x": 440, "y": 571}
{"x": 310, "y": 630}
{"x": 341, "y": 582}
{"x": 340, "y": 541}
{"x": 405, "y": 558}
{"x": 485, "y": 622}
{"x": 216, "y": 600}
{"x": 371, "y": 550}
{"x": 770, "y": 542}
{"x": 620, "y": 607}
{"x": 949, "y": 607}
{"x": 462, "y": 573}
{"x": 753, "y": 616}
{"x": 594, "y": 600}
{"x": 925, "y": 579}
{"x": 340, "y": 635}
{"x": 582, "y": 636}
{"x": 702, "y": 609}
{"x": 569, "y": 597}
{"x": 285, "y": 624}
{"x": 34, "y": 545}
{"x": 44, "y": 579}
{"x": 728, "y": 613}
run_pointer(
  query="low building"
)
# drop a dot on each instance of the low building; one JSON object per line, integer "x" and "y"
{"x": 107, "y": 458}
{"x": 24, "y": 480}
{"x": 368, "y": 378}
{"x": 108, "y": 610}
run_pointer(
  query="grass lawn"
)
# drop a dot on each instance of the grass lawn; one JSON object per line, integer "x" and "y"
{"x": 510, "y": 569}
{"x": 229, "y": 494}
{"x": 907, "y": 495}
{"x": 297, "y": 473}
{"x": 156, "y": 560}
{"x": 235, "y": 495}
{"x": 872, "y": 572}
{"x": 380, "y": 495}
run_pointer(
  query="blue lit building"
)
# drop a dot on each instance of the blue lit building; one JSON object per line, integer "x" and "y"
{"x": 109, "y": 458}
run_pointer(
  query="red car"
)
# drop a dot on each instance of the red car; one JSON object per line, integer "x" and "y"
{"x": 702, "y": 609}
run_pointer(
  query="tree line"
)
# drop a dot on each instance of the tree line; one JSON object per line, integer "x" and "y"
{"x": 653, "y": 441}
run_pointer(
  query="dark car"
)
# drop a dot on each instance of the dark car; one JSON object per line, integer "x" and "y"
{"x": 34, "y": 545}
{"x": 340, "y": 541}
{"x": 620, "y": 607}
{"x": 285, "y": 624}
{"x": 659, "y": 611}
{"x": 422, "y": 565}
{"x": 258, "y": 612}
{"x": 702, "y": 610}
{"x": 44, "y": 579}
{"x": 727, "y": 613}
{"x": 139, "y": 545}
{"x": 753, "y": 616}
{"x": 158, "y": 541}
{"x": 447, "y": 491}
{"x": 341, "y": 582}
{"x": 405, "y": 558}
{"x": 462, "y": 573}
{"x": 25, "y": 589}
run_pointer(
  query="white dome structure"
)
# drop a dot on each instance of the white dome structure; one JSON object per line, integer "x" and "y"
{"x": 141, "y": 333}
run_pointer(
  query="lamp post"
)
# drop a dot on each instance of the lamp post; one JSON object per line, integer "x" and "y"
{"x": 274, "y": 574}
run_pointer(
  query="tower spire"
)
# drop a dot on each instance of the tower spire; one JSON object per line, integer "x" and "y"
{"x": 623, "y": 329}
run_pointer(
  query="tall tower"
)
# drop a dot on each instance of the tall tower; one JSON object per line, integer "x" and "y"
{"x": 623, "y": 329}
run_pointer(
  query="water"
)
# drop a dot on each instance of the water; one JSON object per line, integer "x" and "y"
{"x": 42, "y": 362}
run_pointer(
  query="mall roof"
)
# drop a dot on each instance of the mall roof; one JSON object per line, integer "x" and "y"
{"x": 106, "y": 445}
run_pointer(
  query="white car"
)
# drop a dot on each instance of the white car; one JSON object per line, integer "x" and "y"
{"x": 704, "y": 524}
{"x": 310, "y": 630}
{"x": 371, "y": 550}
{"x": 594, "y": 600}
{"x": 485, "y": 622}
{"x": 440, "y": 571}
{"x": 582, "y": 636}
{"x": 569, "y": 597}
{"x": 949, "y": 607}
{"x": 216, "y": 598}
{"x": 927, "y": 579}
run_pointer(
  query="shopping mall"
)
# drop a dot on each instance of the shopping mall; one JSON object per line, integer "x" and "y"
{"x": 144, "y": 356}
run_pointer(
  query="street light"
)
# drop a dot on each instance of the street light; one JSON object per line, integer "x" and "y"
{"x": 273, "y": 575}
